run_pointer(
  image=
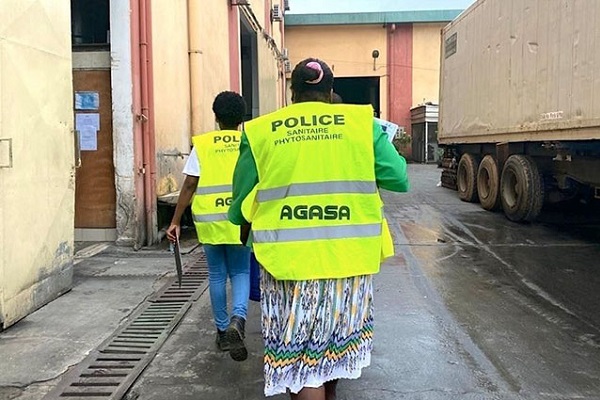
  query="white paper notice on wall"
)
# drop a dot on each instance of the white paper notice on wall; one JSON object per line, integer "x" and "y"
{"x": 389, "y": 128}
{"x": 87, "y": 119}
{"x": 88, "y": 138}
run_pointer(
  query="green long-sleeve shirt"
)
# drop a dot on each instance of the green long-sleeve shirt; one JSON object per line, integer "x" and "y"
{"x": 390, "y": 171}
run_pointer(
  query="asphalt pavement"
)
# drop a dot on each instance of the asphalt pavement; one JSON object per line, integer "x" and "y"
{"x": 472, "y": 306}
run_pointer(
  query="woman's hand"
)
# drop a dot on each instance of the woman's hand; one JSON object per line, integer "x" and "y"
{"x": 173, "y": 232}
{"x": 245, "y": 233}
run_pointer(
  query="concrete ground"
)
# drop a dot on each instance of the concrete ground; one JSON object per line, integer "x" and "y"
{"x": 109, "y": 284}
{"x": 471, "y": 307}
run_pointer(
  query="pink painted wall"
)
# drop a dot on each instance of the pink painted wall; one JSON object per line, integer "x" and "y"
{"x": 400, "y": 54}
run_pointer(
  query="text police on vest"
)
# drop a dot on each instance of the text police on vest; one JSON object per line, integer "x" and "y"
{"x": 226, "y": 139}
{"x": 315, "y": 212}
{"x": 314, "y": 120}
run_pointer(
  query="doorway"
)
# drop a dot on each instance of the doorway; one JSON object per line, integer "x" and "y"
{"x": 359, "y": 90}
{"x": 249, "y": 62}
{"x": 95, "y": 192}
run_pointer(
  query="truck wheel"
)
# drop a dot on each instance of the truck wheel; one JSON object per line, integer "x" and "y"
{"x": 521, "y": 189}
{"x": 488, "y": 183}
{"x": 466, "y": 178}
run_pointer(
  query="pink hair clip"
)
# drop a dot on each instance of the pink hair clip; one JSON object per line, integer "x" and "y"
{"x": 317, "y": 67}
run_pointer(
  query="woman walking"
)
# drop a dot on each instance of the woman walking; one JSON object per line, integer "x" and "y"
{"x": 307, "y": 180}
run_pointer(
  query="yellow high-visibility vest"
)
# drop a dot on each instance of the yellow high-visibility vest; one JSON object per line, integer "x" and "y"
{"x": 316, "y": 212}
{"x": 217, "y": 154}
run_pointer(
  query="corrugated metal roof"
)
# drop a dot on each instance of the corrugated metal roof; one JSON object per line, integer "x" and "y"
{"x": 372, "y": 17}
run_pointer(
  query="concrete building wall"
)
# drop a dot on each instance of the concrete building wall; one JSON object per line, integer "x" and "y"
{"x": 172, "y": 122}
{"x": 37, "y": 195}
{"x": 426, "y": 63}
{"x": 196, "y": 55}
{"x": 346, "y": 48}
{"x": 408, "y": 63}
{"x": 128, "y": 211}
{"x": 268, "y": 72}
{"x": 271, "y": 82}
{"x": 212, "y": 36}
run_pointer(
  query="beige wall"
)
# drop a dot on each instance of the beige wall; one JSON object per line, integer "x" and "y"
{"x": 214, "y": 40}
{"x": 37, "y": 195}
{"x": 346, "y": 48}
{"x": 191, "y": 59}
{"x": 270, "y": 82}
{"x": 172, "y": 124}
{"x": 426, "y": 62}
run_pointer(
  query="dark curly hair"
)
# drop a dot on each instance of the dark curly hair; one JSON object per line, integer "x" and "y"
{"x": 312, "y": 80}
{"x": 230, "y": 109}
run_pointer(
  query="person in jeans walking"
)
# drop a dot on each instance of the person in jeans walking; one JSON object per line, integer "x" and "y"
{"x": 209, "y": 172}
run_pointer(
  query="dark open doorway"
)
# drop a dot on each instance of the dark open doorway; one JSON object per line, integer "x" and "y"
{"x": 359, "y": 90}
{"x": 249, "y": 63}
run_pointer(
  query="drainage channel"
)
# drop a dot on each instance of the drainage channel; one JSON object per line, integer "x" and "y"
{"x": 110, "y": 370}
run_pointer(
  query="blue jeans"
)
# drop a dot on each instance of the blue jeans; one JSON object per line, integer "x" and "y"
{"x": 233, "y": 261}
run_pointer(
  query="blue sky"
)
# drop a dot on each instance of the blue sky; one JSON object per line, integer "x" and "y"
{"x": 355, "y": 6}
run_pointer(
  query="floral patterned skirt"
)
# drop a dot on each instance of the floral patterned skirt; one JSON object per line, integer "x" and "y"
{"x": 315, "y": 331}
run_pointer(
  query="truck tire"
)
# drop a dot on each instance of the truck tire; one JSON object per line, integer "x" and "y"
{"x": 488, "y": 183}
{"x": 521, "y": 189}
{"x": 466, "y": 178}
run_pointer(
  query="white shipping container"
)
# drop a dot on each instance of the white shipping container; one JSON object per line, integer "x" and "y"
{"x": 521, "y": 71}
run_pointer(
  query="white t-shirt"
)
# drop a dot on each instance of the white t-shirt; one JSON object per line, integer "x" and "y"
{"x": 192, "y": 166}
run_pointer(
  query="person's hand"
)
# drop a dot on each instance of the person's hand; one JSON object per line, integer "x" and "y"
{"x": 173, "y": 232}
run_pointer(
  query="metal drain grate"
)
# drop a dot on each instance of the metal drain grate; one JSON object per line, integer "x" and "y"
{"x": 110, "y": 370}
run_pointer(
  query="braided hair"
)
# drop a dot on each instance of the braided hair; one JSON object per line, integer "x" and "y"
{"x": 312, "y": 80}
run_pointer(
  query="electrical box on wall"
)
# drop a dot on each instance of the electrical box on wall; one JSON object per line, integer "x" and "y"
{"x": 276, "y": 13}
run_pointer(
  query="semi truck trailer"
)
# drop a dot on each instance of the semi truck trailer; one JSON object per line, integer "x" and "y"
{"x": 520, "y": 104}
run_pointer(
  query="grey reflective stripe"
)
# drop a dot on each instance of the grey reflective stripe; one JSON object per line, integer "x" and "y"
{"x": 316, "y": 233}
{"x": 303, "y": 189}
{"x": 214, "y": 189}
{"x": 211, "y": 217}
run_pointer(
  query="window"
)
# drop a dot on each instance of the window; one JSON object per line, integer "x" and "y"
{"x": 90, "y": 23}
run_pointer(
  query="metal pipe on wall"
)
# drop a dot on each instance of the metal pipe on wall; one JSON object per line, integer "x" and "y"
{"x": 138, "y": 141}
{"x": 147, "y": 109}
{"x": 282, "y": 67}
{"x": 195, "y": 15}
{"x": 234, "y": 50}
{"x": 143, "y": 135}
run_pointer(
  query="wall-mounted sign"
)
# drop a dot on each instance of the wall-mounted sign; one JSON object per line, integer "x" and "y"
{"x": 88, "y": 125}
{"x": 87, "y": 100}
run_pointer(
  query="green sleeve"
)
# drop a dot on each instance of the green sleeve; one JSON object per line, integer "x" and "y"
{"x": 245, "y": 177}
{"x": 390, "y": 167}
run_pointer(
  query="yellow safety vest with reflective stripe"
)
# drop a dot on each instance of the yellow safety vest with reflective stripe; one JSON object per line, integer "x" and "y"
{"x": 217, "y": 154}
{"x": 316, "y": 211}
